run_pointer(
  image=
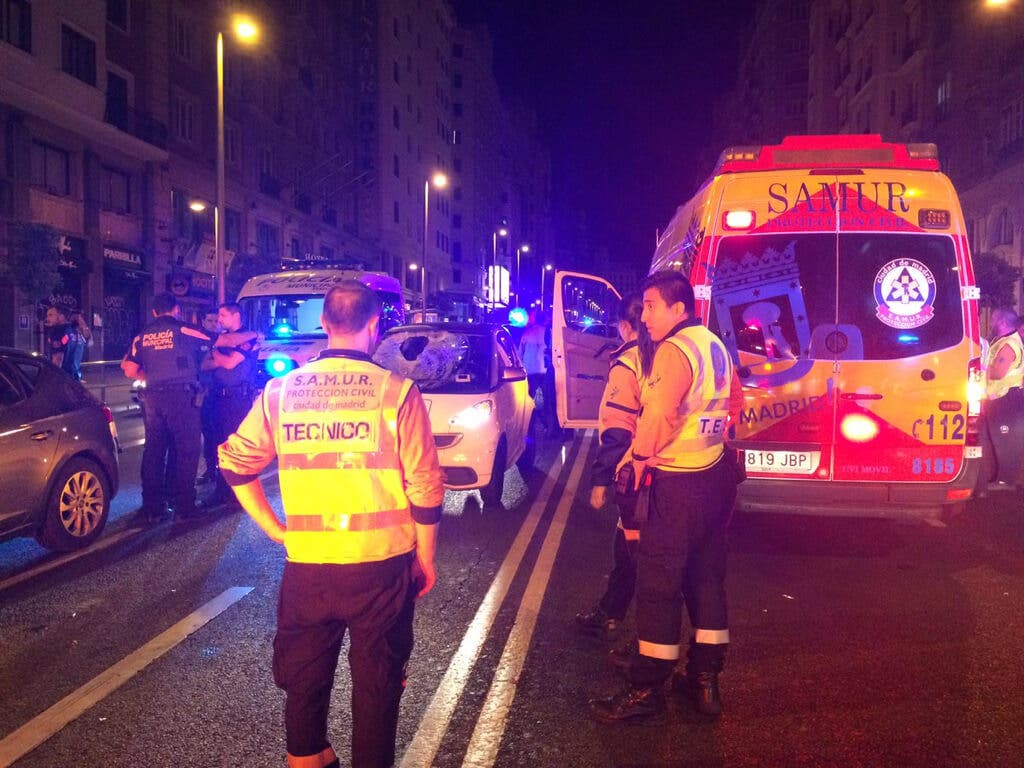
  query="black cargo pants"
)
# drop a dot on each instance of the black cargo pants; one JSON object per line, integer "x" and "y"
{"x": 170, "y": 458}
{"x": 317, "y": 605}
{"x": 682, "y": 559}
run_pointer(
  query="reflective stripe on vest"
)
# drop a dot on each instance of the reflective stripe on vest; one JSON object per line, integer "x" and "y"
{"x": 705, "y": 408}
{"x": 1015, "y": 375}
{"x": 630, "y": 359}
{"x": 335, "y": 423}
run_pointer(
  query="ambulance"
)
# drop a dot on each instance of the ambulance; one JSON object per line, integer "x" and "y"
{"x": 284, "y": 309}
{"x": 836, "y": 270}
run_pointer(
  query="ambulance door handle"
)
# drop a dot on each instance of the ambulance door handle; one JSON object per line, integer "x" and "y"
{"x": 860, "y": 396}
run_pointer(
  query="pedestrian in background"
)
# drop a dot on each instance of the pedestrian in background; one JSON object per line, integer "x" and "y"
{"x": 1003, "y": 410}
{"x": 166, "y": 356}
{"x": 532, "y": 347}
{"x": 78, "y": 336}
{"x": 361, "y": 489}
{"x": 57, "y": 333}
{"x": 680, "y": 442}
{"x": 230, "y": 389}
{"x": 620, "y": 405}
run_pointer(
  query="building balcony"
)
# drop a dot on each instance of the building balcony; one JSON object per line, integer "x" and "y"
{"x": 138, "y": 124}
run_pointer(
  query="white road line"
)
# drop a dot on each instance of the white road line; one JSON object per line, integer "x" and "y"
{"x": 57, "y": 562}
{"x": 37, "y": 730}
{"x": 425, "y": 743}
{"x": 490, "y": 726}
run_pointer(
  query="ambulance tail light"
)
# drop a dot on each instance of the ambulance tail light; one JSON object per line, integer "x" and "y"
{"x": 740, "y": 153}
{"x": 738, "y": 220}
{"x": 975, "y": 394}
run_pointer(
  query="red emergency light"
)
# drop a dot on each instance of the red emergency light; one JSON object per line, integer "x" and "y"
{"x": 830, "y": 151}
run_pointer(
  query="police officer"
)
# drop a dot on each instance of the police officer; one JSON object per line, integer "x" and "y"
{"x": 229, "y": 392}
{"x": 166, "y": 356}
{"x": 1004, "y": 407}
{"x": 362, "y": 490}
{"x": 630, "y": 363}
{"x": 680, "y": 442}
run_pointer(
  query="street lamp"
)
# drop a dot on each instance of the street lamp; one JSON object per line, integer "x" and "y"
{"x": 545, "y": 268}
{"x": 524, "y": 248}
{"x": 245, "y": 31}
{"x": 501, "y": 231}
{"x": 439, "y": 181}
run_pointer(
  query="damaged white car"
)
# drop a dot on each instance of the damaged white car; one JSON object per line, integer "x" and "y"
{"x": 474, "y": 386}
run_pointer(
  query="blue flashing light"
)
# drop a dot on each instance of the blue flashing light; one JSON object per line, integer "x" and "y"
{"x": 281, "y": 329}
{"x": 517, "y": 317}
{"x": 908, "y": 338}
{"x": 588, "y": 321}
{"x": 279, "y": 365}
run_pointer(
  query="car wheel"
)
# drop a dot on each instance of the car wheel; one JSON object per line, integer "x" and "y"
{"x": 491, "y": 493}
{"x": 529, "y": 455}
{"x": 78, "y": 506}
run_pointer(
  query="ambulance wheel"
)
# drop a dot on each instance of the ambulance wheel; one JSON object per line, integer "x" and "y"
{"x": 491, "y": 493}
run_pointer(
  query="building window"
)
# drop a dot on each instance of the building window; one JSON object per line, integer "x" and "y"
{"x": 457, "y": 221}
{"x": 1004, "y": 229}
{"x": 268, "y": 240}
{"x": 182, "y": 38}
{"x": 296, "y": 249}
{"x": 117, "y": 13}
{"x": 267, "y": 162}
{"x": 1011, "y": 122}
{"x": 395, "y": 157}
{"x": 115, "y": 190}
{"x": 395, "y": 212}
{"x": 51, "y": 169}
{"x": 942, "y": 97}
{"x": 16, "y": 23}
{"x": 395, "y": 73}
{"x": 183, "y": 118}
{"x": 232, "y": 230}
{"x": 117, "y": 101}
{"x": 78, "y": 55}
{"x": 457, "y": 276}
{"x": 394, "y": 117}
{"x": 457, "y": 250}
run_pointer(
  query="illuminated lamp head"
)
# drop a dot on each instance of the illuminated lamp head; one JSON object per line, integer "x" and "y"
{"x": 518, "y": 317}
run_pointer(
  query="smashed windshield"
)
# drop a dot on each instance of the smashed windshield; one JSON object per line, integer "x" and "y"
{"x": 439, "y": 360}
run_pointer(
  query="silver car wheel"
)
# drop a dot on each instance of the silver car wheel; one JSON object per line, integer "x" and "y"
{"x": 81, "y": 503}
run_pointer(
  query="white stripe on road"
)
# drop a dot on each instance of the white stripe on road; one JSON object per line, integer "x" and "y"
{"x": 490, "y": 726}
{"x": 42, "y": 727}
{"x": 425, "y": 743}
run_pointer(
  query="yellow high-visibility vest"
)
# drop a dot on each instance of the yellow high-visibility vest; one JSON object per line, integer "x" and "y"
{"x": 334, "y": 423}
{"x": 705, "y": 409}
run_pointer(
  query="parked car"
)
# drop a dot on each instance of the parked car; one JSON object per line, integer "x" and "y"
{"x": 474, "y": 386}
{"x": 58, "y": 455}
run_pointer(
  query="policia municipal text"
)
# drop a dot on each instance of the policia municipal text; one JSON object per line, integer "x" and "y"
{"x": 361, "y": 506}
{"x": 680, "y": 440}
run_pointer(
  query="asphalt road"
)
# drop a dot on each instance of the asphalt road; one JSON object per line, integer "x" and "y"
{"x": 855, "y": 643}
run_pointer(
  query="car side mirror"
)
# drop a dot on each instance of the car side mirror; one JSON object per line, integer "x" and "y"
{"x": 513, "y": 373}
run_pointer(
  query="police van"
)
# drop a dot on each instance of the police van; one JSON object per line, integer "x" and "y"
{"x": 285, "y": 307}
{"x": 836, "y": 270}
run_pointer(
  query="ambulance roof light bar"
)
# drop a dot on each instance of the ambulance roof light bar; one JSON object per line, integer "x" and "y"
{"x": 852, "y": 151}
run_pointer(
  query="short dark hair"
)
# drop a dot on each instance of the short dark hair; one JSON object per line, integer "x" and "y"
{"x": 349, "y": 306}
{"x": 164, "y": 303}
{"x": 231, "y": 307}
{"x": 673, "y": 286}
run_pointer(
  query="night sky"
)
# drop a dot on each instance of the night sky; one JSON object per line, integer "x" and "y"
{"x": 626, "y": 93}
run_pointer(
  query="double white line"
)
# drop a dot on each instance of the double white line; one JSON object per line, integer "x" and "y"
{"x": 490, "y": 727}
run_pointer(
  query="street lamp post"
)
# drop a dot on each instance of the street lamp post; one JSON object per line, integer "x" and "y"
{"x": 438, "y": 181}
{"x": 543, "y": 269}
{"x": 423, "y": 287}
{"x": 246, "y": 31}
{"x": 524, "y": 248}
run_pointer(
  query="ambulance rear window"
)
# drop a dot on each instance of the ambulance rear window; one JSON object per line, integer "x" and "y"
{"x": 819, "y": 296}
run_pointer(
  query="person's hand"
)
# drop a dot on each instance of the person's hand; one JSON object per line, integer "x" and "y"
{"x": 423, "y": 575}
{"x": 598, "y": 496}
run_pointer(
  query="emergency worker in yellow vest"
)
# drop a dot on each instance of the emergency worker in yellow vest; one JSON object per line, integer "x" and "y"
{"x": 680, "y": 443}
{"x": 362, "y": 490}
{"x": 1003, "y": 411}
{"x": 620, "y": 404}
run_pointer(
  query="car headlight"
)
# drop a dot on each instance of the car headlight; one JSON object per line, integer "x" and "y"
{"x": 139, "y": 384}
{"x": 474, "y": 416}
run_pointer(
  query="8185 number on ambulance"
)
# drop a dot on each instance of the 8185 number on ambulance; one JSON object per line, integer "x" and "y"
{"x": 836, "y": 270}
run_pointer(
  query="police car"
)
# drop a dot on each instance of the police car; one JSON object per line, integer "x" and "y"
{"x": 474, "y": 386}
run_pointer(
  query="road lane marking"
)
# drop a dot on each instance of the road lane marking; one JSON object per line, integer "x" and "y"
{"x": 50, "y": 565}
{"x": 423, "y": 748}
{"x": 490, "y": 726}
{"x": 40, "y": 728}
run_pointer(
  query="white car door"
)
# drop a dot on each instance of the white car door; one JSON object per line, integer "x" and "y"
{"x": 584, "y": 331}
{"x": 509, "y": 399}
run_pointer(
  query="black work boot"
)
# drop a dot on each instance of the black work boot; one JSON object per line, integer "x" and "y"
{"x": 597, "y": 622}
{"x": 645, "y": 706}
{"x": 701, "y": 689}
